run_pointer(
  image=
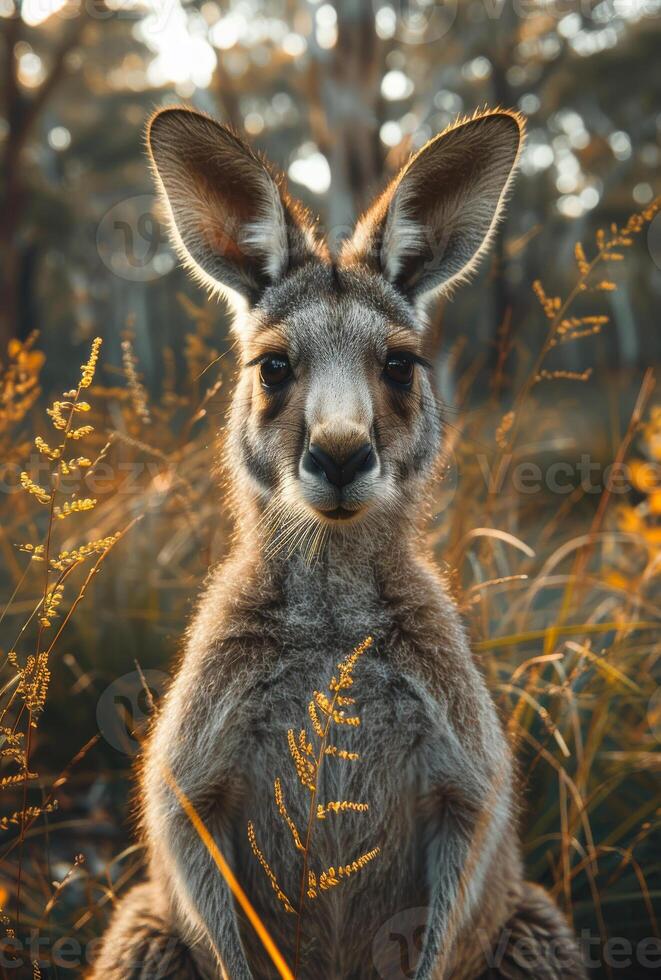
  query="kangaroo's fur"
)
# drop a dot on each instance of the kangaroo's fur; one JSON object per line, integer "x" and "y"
{"x": 300, "y": 590}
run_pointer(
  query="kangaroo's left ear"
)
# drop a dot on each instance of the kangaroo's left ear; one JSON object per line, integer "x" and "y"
{"x": 231, "y": 220}
{"x": 431, "y": 225}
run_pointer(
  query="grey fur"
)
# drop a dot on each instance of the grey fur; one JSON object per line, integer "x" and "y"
{"x": 301, "y": 589}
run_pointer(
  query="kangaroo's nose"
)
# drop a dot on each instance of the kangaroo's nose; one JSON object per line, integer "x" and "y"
{"x": 340, "y": 472}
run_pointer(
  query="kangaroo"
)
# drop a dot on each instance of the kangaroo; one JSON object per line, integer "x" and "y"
{"x": 333, "y": 434}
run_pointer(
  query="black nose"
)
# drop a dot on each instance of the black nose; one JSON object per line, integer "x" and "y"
{"x": 340, "y": 472}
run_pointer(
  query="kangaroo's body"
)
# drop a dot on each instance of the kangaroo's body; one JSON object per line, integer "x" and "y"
{"x": 333, "y": 435}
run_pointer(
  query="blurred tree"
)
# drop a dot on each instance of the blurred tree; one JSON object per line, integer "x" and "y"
{"x": 21, "y": 111}
{"x": 58, "y": 88}
{"x": 337, "y": 95}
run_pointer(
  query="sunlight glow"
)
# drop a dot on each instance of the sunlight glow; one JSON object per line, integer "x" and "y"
{"x": 311, "y": 169}
{"x": 31, "y": 71}
{"x": 228, "y": 31}
{"x": 530, "y": 103}
{"x": 326, "y": 26}
{"x": 182, "y": 55}
{"x": 643, "y": 193}
{"x": 35, "y": 12}
{"x": 570, "y": 205}
{"x": 294, "y": 44}
{"x": 385, "y": 23}
{"x": 478, "y": 69}
{"x": 391, "y": 133}
{"x": 395, "y": 85}
{"x": 253, "y": 123}
{"x": 620, "y": 145}
{"x": 59, "y": 138}
{"x": 570, "y": 25}
{"x": 587, "y": 43}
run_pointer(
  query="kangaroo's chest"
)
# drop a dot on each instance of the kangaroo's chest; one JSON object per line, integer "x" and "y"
{"x": 311, "y": 717}
{"x": 333, "y": 779}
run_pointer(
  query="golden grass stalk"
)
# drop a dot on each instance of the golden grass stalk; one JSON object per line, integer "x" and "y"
{"x": 324, "y": 711}
{"x": 29, "y": 687}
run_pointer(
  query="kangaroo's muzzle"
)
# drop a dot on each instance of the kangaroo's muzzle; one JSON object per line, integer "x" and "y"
{"x": 339, "y": 472}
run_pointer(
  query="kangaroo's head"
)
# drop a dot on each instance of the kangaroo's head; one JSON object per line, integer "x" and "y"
{"x": 334, "y": 423}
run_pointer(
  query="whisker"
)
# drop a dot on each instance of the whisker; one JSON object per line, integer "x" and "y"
{"x": 286, "y": 532}
{"x": 299, "y": 538}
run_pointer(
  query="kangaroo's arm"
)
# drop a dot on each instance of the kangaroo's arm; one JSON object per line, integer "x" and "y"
{"x": 464, "y": 817}
{"x": 192, "y": 747}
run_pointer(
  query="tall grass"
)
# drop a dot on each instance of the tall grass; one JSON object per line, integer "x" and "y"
{"x": 560, "y": 591}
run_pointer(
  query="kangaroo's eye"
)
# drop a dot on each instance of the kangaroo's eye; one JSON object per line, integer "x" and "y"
{"x": 399, "y": 370}
{"x": 274, "y": 370}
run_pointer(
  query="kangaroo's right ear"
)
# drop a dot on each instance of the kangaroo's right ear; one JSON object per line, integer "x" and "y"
{"x": 431, "y": 225}
{"x": 231, "y": 222}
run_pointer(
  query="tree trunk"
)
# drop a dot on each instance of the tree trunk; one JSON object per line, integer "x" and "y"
{"x": 347, "y": 79}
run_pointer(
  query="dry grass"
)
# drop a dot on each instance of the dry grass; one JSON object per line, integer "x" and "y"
{"x": 561, "y": 593}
